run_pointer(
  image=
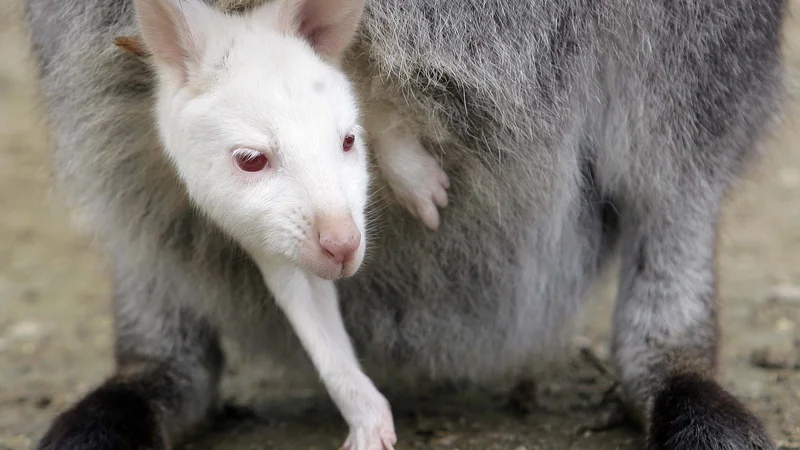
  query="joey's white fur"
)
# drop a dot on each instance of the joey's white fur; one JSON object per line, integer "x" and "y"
{"x": 311, "y": 305}
{"x": 256, "y": 86}
{"x": 264, "y": 131}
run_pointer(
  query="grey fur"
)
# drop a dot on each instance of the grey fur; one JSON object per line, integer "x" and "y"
{"x": 564, "y": 125}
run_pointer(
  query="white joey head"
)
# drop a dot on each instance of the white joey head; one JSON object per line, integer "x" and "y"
{"x": 262, "y": 126}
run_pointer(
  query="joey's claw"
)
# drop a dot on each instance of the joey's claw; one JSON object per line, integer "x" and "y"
{"x": 444, "y": 180}
{"x": 388, "y": 443}
{"x": 376, "y": 436}
{"x": 361, "y": 440}
{"x": 429, "y": 215}
{"x": 440, "y": 196}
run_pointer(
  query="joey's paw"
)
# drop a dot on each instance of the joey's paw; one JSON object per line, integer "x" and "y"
{"x": 693, "y": 413}
{"x": 379, "y": 435}
{"x": 418, "y": 182}
{"x": 113, "y": 417}
{"x": 424, "y": 200}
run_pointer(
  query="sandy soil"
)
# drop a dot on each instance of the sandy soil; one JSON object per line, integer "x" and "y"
{"x": 55, "y": 326}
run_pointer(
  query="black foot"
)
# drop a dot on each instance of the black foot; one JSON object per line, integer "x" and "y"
{"x": 113, "y": 417}
{"x": 693, "y": 413}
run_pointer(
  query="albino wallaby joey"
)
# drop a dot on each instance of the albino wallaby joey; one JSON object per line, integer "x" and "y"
{"x": 264, "y": 132}
{"x": 569, "y": 130}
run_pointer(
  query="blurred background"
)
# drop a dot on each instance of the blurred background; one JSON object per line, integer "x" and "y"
{"x": 56, "y": 327}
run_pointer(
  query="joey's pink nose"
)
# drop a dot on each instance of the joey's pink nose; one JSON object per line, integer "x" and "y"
{"x": 339, "y": 238}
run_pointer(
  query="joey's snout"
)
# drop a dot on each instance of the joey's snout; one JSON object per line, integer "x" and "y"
{"x": 339, "y": 238}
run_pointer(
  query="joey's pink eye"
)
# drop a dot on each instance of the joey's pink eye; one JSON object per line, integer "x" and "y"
{"x": 347, "y": 145}
{"x": 249, "y": 160}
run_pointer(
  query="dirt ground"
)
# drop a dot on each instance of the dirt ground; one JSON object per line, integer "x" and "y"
{"x": 55, "y": 326}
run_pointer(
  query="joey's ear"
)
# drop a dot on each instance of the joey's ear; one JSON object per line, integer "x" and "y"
{"x": 328, "y": 25}
{"x": 173, "y": 31}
